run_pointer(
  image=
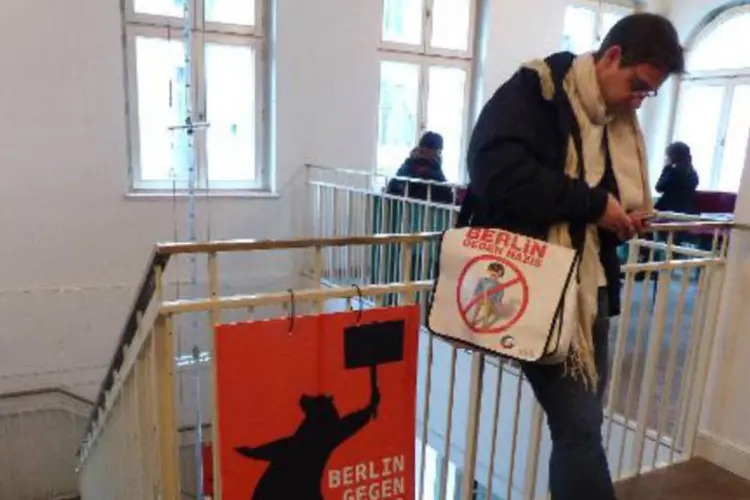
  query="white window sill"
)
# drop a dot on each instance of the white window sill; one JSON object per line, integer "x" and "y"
{"x": 155, "y": 194}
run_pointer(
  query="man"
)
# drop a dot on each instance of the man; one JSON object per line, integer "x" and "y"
{"x": 425, "y": 163}
{"x": 557, "y": 154}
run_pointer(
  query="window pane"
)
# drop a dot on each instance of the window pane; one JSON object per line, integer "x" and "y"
{"x": 735, "y": 145}
{"x": 402, "y": 21}
{"x": 450, "y": 24}
{"x": 397, "y": 113}
{"x": 445, "y": 115}
{"x": 231, "y": 11}
{"x": 725, "y": 47}
{"x": 579, "y": 30}
{"x": 161, "y": 65}
{"x": 170, "y": 8}
{"x": 230, "y": 101}
{"x": 697, "y": 126}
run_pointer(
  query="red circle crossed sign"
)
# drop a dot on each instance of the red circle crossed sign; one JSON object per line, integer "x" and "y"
{"x": 470, "y": 302}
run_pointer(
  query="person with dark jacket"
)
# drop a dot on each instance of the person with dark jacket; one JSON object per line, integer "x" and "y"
{"x": 678, "y": 181}
{"x": 557, "y": 154}
{"x": 424, "y": 163}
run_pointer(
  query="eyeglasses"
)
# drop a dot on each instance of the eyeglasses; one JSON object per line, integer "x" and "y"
{"x": 641, "y": 88}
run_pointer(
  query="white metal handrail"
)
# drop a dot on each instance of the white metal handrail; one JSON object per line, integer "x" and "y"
{"x": 137, "y": 421}
{"x": 670, "y": 295}
{"x": 479, "y": 427}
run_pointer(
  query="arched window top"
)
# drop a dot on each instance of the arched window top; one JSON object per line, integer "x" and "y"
{"x": 723, "y": 44}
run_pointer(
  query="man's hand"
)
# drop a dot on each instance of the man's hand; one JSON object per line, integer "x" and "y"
{"x": 640, "y": 220}
{"x": 616, "y": 220}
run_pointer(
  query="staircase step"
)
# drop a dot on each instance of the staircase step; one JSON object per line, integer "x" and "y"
{"x": 697, "y": 479}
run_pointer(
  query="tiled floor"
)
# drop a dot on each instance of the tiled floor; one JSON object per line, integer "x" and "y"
{"x": 695, "y": 480}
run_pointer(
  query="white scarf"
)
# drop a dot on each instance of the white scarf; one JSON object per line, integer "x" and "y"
{"x": 628, "y": 154}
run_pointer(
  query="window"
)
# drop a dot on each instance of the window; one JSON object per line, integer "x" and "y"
{"x": 587, "y": 23}
{"x": 425, "y": 79}
{"x": 713, "y": 110}
{"x": 196, "y": 106}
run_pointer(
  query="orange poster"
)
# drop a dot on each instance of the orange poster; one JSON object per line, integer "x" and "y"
{"x": 324, "y": 412}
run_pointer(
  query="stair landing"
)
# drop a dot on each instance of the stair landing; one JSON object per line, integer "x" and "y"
{"x": 694, "y": 480}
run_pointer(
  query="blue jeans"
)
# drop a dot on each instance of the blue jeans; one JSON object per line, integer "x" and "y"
{"x": 578, "y": 468}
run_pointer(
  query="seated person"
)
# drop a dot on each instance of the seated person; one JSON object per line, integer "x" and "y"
{"x": 678, "y": 181}
{"x": 425, "y": 163}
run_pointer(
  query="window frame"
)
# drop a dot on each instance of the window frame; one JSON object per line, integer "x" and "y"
{"x": 729, "y": 85}
{"x": 137, "y": 25}
{"x": 704, "y": 32}
{"x": 425, "y": 57}
{"x": 424, "y": 63}
{"x": 424, "y": 47}
{"x": 726, "y": 78}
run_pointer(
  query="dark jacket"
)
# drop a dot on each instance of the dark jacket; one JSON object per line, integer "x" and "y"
{"x": 516, "y": 161}
{"x": 677, "y": 185}
{"x": 426, "y": 165}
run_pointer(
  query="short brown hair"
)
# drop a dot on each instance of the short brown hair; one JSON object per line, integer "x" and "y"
{"x": 646, "y": 38}
{"x": 496, "y": 267}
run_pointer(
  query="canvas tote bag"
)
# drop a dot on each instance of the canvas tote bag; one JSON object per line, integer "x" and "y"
{"x": 505, "y": 294}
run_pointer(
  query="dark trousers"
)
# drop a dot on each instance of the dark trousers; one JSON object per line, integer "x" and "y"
{"x": 578, "y": 468}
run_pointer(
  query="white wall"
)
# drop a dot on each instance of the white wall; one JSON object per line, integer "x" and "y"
{"x": 74, "y": 246}
{"x": 725, "y": 436}
{"x": 39, "y": 436}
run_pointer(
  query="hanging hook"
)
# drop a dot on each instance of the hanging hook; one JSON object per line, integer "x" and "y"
{"x": 291, "y": 311}
{"x": 361, "y": 303}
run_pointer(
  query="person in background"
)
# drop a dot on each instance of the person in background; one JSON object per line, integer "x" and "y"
{"x": 557, "y": 154}
{"x": 425, "y": 163}
{"x": 678, "y": 181}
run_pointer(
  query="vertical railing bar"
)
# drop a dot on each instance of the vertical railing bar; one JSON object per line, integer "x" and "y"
{"x": 156, "y": 457}
{"x": 674, "y": 343}
{"x": 350, "y": 220}
{"x": 331, "y": 266}
{"x": 406, "y": 265}
{"x": 495, "y": 425}
{"x": 368, "y": 265}
{"x": 640, "y": 330}
{"x": 215, "y": 319}
{"x": 426, "y": 412}
{"x": 650, "y": 369}
{"x": 449, "y": 426}
{"x": 404, "y": 207}
{"x": 686, "y": 374}
{"x": 514, "y": 439}
{"x": 622, "y": 337}
{"x": 318, "y": 276}
{"x": 137, "y": 406}
{"x": 472, "y": 428}
{"x": 385, "y": 205}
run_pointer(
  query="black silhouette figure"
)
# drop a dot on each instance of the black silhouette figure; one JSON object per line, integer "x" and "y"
{"x": 297, "y": 462}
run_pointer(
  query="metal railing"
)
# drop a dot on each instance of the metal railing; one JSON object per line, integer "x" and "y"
{"x": 133, "y": 446}
{"x": 479, "y": 427}
{"x": 659, "y": 346}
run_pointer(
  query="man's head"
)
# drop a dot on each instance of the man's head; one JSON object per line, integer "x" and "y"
{"x": 638, "y": 54}
{"x": 432, "y": 141}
